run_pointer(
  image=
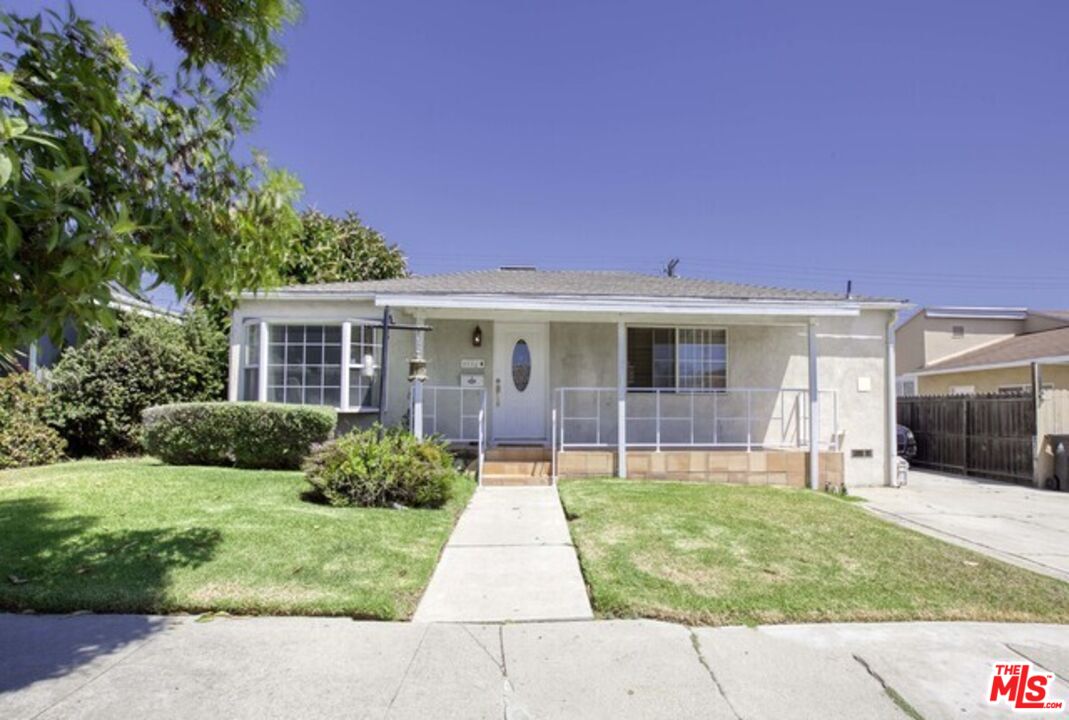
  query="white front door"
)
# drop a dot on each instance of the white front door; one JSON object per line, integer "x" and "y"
{"x": 521, "y": 381}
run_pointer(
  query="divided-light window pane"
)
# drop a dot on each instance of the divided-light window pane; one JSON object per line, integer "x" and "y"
{"x": 687, "y": 358}
{"x": 304, "y": 364}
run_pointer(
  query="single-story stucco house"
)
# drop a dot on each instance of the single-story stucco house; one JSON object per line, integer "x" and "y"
{"x": 531, "y": 371}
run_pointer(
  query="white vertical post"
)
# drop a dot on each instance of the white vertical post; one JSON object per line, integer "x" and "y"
{"x": 621, "y": 398}
{"x": 261, "y": 394}
{"x": 31, "y": 361}
{"x": 749, "y": 420}
{"x": 891, "y": 411}
{"x": 346, "y": 362}
{"x": 657, "y": 416}
{"x": 417, "y": 390}
{"x": 238, "y": 336}
{"x": 814, "y": 410}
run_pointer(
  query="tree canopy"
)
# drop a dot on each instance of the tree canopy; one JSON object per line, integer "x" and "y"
{"x": 340, "y": 249}
{"x": 110, "y": 172}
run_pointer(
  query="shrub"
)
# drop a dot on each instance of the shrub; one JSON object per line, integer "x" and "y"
{"x": 25, "y": 437}
{"x": 362, "y": 469}
{"x": 100, "y": 388}
{"x": 246, "y": 434}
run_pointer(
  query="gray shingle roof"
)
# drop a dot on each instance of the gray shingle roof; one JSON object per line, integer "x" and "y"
{"x": 1017, "y": 349}
{"x": 574, "y": 283}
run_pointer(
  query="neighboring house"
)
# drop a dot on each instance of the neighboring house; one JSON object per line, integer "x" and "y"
{"x": 44, "y": 353}
{"x": 963, "y": 350}
{"x": 713, "y": 378}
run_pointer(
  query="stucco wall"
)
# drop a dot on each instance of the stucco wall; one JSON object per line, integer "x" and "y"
{"x": 988, "y": 381}
{"x": 940, "y": 343}
{"x": 909, "y": 345}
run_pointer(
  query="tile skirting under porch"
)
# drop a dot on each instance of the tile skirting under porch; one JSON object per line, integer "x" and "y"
{"x": 756, "y": 467}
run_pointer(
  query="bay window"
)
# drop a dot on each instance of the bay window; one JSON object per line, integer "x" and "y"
{"x": 304, "y": 364}
{"x": 676, "y": 358}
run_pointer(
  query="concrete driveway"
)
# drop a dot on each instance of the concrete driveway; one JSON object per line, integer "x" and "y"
{"x": 1020, "y": 525}
{"x": 132, "y": 666}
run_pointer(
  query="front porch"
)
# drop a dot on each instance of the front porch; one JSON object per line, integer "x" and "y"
{"x": 512, "y": 392}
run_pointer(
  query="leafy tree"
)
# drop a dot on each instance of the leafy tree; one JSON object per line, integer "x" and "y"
{"x": 332, "y": 249}
{"x": 110, "y": 172}
{"x": 100, "y": 388}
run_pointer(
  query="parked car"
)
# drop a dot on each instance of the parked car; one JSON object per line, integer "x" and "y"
{"x": 907, "y": 444}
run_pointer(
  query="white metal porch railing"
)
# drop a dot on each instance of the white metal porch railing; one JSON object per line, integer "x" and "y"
{"x": 456, "y": 414}
{"x": 661, "y": 418}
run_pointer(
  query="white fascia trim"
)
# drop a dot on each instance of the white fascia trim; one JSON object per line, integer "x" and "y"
{"x": 645, "y": 305}
{"x": 987, "y": 313}
{"x": 1049, "y": 360}
{"x": 587, "y": 303}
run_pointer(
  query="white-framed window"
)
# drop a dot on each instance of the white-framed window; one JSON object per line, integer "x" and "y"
{"x": 304, "y": 364}
{"x": 957, "y": 332}
{"x": 251, "y": 381}
{"x": 962, "y": 390}
{"x": 365, "y": 354}
{"x": 686, "y": 358}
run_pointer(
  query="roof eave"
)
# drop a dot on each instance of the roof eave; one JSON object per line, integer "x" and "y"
{"x": 1046, "y": 360}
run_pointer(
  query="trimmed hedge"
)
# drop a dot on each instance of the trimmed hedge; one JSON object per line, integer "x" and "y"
{"x": 246, "y": 434}
{"x": 363, "y": 469}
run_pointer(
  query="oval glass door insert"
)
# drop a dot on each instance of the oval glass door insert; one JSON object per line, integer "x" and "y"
{"x": 521, "y": 365}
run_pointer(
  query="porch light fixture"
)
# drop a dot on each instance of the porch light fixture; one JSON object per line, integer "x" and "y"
{"x": 477, "y": 337}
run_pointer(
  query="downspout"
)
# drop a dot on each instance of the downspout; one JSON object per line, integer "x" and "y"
{"x": 891, "y": 400}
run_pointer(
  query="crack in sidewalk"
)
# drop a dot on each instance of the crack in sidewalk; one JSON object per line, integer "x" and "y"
{"x": 696, "y": 644}
{"x": 895, "y": 696}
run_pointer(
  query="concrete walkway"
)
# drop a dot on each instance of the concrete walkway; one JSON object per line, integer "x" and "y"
{"x": 118, "y": 667}
{"x": 510, "y": 558}
{"x": 1012, "y": 523}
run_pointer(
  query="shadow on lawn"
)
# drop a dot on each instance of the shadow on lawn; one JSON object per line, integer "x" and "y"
{"x": 56, "y": 562}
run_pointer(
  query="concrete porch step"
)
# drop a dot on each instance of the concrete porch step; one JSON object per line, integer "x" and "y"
{"x": 538, "y": 468}
{"x": 516, "y": 480}
{"x": 518, "y": 454}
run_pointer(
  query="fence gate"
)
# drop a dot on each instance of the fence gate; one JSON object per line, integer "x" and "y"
{"x": 983, "y": 435}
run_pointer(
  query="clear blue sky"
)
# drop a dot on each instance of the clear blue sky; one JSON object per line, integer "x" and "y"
{"x": 920, "y": 148}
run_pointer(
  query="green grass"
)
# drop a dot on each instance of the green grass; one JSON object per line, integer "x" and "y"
{"x": 716, "y": 554}
{"x": 139, "y": 536}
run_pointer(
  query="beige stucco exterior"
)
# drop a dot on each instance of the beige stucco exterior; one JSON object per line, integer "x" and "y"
{"x": 762, "y": 353}
{"x": 989, "y": 381}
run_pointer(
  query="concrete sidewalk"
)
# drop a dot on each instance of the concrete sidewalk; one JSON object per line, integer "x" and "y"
{"x": 1019, "y": 525}
{"x": 510, "y": 558}
{"x": 117, "y": 667}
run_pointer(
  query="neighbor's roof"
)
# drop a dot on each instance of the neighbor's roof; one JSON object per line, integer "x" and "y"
{"x": 594, "y": 283}
{"x": 1017, "y": 350}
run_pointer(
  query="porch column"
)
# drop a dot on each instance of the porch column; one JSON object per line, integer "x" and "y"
{"x": 891, "y": 411}
{"x": 621, "y": 398}
{"x": 261, "y": 393}
{"x": 417, "y": 388}
{"x": 814, "y": 410}
{"x": 346, "y": 363}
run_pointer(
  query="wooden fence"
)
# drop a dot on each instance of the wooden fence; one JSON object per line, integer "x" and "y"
{"x": 983, "y": 435}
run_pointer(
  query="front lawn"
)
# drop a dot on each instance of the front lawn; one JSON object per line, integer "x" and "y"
{"x": 716, "y": 554}
{"x": 138, "y": 536}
